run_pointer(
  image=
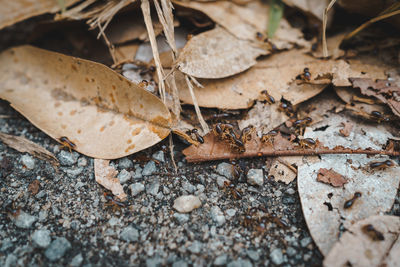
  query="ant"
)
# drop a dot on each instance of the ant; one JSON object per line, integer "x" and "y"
{"x": 265, "y": 96}
{"x": 307, "y": 143}
{"x": 246, "y": 133}
{"x": 236, "y": 193}
{"x": 349, "y": 203}
{"x": 225, "y": 131}
{"x": 381, "y": 165}
{"x": 374, "y": 234}
{"x": 65, "y": 142}
{"x": 305, "y": 76}
{"x": 287, "y": 108}
{"x": 194, "y": 132}
{"x": 269, "y": 137}
{"x": 115, "y": 204}
{"x": 302, "y": 122}
{"x": 379, "y": 117}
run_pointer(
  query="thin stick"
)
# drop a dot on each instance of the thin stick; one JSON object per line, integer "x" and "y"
{"x": 324, "y": 23}
{"x": 171, "y": 150}
{"x": 287, "y": 164}
{"x": 196, "y": 106}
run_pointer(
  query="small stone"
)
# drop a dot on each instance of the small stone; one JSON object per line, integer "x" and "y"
{"x": 181, "y": 218}
{"x": 153, "y": 188}
{"x": 195, "y": 247}
{"x": 82, "y": 162}
{"x": 113, "y": 221}
{"x": 290, "y": 191}
{"x": 136, "y": 188}
{"x": 186, "y": 203}
{"x": 130, "y": 234}
{"x": 125, "y": 163}
{"x": 221, "y": 260}
{"x": 66, "y": 158}
{"x": 217, "y": 215}
{"x": 24, "y": 220}
{"x": 230, "y": 212}
{"x": 149, "y": 168}
{"x": 159, "y": 156}
{"x": 276, "y": 256}
{"x": 278, "y": 193}
{"x": 240, "y": 263}
{"x": 255, "y": 177}
{"x": 76, "y": 261}
{"x": 42, "y": 193}
{"x": 138, "y": 173}
{"x": 253, "y": 255}
{"x": 288, "y": 200}
{"x": 11, "y": 261}
{"x": 73, "y": 172}
{"x": 28, "y": 162}
{"x": 291, "y": 251}
{"x": 180, "y": 263}
{"x": 41, "y": 238}
{"x": 154, "y": 262}
{"x": 188, "y": 187}
{"x": 305, "y": 241}
{"x": 57, "y": 249}
{"x": 42, "y": 215}
{"x": 221, "y": 181}
{"x": 124, "y": 176}
{"x": 225, "y": 169}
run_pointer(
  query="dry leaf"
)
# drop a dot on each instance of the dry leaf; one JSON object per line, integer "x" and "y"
{"x": 23, "y": 145}
{"x": 125, "y": 53}
{"x": 14, "y": 11}
{"x": 357, "y": 248}
{"x": 34, "y": 187}
{"x": 323, "y": 205}
{"x": 331, "y": 177}
{"x": 333, "y": 44}
{"x": 347, "y": 127}
{"x": 106, "y": 175}
{"x": 217, "y": 54}
{"x": 383, "y": 90}
{"x": 282, "y": 169}
{"x": 315, "y": 7}
{"x": 103, "y": 114}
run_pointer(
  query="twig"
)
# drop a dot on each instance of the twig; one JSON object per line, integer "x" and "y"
{"x": 324, "y": 23}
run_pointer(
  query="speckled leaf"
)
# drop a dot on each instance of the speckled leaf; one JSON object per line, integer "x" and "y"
{"x": 323, "y": 205}
{"x": 102, "y": 113}
{"x": 217, "y": 54}
{"x": 357, "y": 246}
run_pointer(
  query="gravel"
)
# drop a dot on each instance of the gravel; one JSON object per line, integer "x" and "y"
{"x": 186, "y": 203}
{"x": 253, "y": 255}
{"x": 225, "y": 169}
{"x": 221, "y": 260}
{"x": 181, "y": 218}
{"x": 124, "y": 176}
{"x": 125, "y": 163}
{"x": 136, "y": 188}
{"x": 149, "y": 168}
{"x": 66, "y": 158}
{"x": 217, "y": 215}
{"x": 57, "y": 249}
{"x": 305, "y": 241}
{"x": 276, "y": 256}
{"x": 76, "y": 261}
{"x": 130, "y": 234}
{"x": 159, "y": 156}
{"x": 24, "y": 220}
{"x": 153, "y": 188}
{"x": 240, "y": 263}
{"x": 28, "y": 162}
{"x": 41, "y": 238}
{"x": 255, "y": 177}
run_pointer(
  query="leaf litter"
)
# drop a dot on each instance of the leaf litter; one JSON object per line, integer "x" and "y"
{"x": 106, "y": 175}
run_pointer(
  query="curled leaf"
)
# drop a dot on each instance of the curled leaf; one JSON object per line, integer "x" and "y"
{"x": 106, "y": 175}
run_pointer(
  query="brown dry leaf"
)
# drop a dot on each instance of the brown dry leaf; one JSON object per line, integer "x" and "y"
{"x": 246, "y": 21}
{"x": 322, "y": 204}
{"x": 282, "y": 168}
{"x": 331, "y": 177}
{"x": 347, "y": 127}
{"x": 314, "y": 7}
{"x": 34, "y": 187}
{"x": 333, "y": 43}
{"x": 23, "y": 145}
{"x": 357, "y": 248}
{"x": 217, "y": 54}
{"x": 106, "y": 175}
{"x": 125, "y": 53}
{"x": 101, "y": 112}
{"x": 276, "y": 74}
{"x": 383, "y": 90}
{"x": 14, "y": 11}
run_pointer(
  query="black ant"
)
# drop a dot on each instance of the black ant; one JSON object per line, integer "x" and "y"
{"x": 349, "y": 203}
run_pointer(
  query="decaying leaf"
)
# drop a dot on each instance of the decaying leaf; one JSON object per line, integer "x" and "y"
{"x": 331, "y": 177}
{"x": 14, "y": 11}
{"x": 282, "y": 168}
{"x": 125, "y": 53}
{"x": 323, "y": 205}
{"x": 333, "y": 44}
{"x": 277, "y": 74}
{"x": 384, "y": 90}
{"x": 314, "y": 7}
{"x": 346, "y": 130}
{"x": 106, "y": 175}
{"x": 370, "y": 242}
{"x": 217, "y": 54}
{"x": 103, "y": 114}
{"x": 23, "y": 145}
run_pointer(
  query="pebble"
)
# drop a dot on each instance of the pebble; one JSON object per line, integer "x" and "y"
{"x": 278, "y": 193}
{"x": 225, "y": 169}
{"x": 220, "y": 181}
{"x": 217, "y": 215}
{"x": 180, "y": 263}
{"x": 291, "y": 251}
{"x": 130, "y": 234}
{"x": 221, "y": 260}
{"x": 43, "y": 215}
{"x": 159, "y": 155}
{"x": 57, "y": 249}
{"x": 149, "y": 168}
{"x": 184, "y": 204}
{"x": 82, "y": 162}
{"x": 136, "y": 188}
{"x": 290, "y": 191}
{"x": 253, "y": 255}
{"x": 188, "y": 187}
{"x": 138, "y": 172}
{"x": 76, "y": 261}
{"x": 230, "y": 212}
{"x": 255, "y": 177}
{"x": 125, "y": 163}
{"x": 124, "y": 176}
{"x": 240, "y": 263}
{"x": 24, "y": 220}
{"x": 305, "y": 241}
{"x": 276, "y": 256}
{"x": 28, "y": 161}
{"x": 153, "y": 188}
{"x": 41, "y": 238}
{"x": 181, "y": 218}
{"x": 288, "y": 200}
{"x": 195, "y": 247}
{"x": 66, "y": 158}
{"x": 154, "y": 262}
{"x": 11, "y": 261}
